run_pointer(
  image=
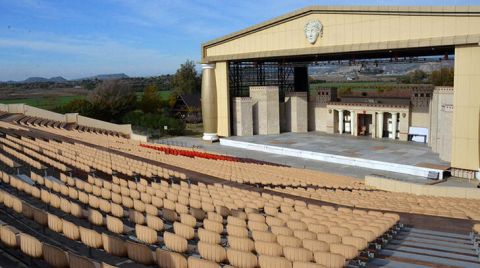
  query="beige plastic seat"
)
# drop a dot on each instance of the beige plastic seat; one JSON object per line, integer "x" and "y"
{"x": 76, "y": 261}
{"x": 55, "y": 223}
{"x": 234, "y": 230}
{"x": 95, "y": 217}
{"x": 358, "y": 242}
{"x": 188, "y": 220}
{"x": 330, "y": 260}
{"x": 315, "y": 245}
{"x": 212, "y": 252}
{"x": 281, "y": 230}
{"x": 299, "y": 264}
{"x": 329, "y": 238}
{"x": 136, "y": 217}
{"x": 201, "y": 263}
{"x": 139, "y": 253}
{"x": 273, "y": 262}
{"x": 268, "y": 248}
{"x": 264, "y": 236}
{"x": 175, "y": 242}
{"x": 90, "y": 237}
{"x": 114, "y": 225}
{"x": 213, "y": 226}
{"x": 301, "y": 234}
{"x": 241, "y": 243}
{"x": 241, "y": 259}
{"x": 294, "y": 254}
{"x": 114, "y": 245}
{"x": 347, "y": 251}
{"x": 70, "y": 230}
{"x": 183, "y": 230}
{"x": 288, "y": 241}
{"x": 169, "y": 215}
{"x": 208, "y": 236}
{"x": 154, "y": 222}
{"x": 54, "y": 256}
{"x": 146, "y": 234}
{"x": 296, "y": 225}
{"x": 30, "y": 246}
{"x": 170, "y": 259}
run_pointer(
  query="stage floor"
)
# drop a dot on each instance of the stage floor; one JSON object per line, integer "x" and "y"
{"x": 386, "y": 150}
{"x": 383, "y": 150}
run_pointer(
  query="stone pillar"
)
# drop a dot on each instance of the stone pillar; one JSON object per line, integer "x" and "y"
{"x": 394, "y": 126}
{"x": 242, "y": 116}
{"x": 373, "y": 128}
{"x": 353, "y": 123}
{"x": 209, "y": 103}
{"x": 266, "y": 119}
{"x": 380, "y": 125}
{"x": 296, "y": 111}
{"x": 341, "y": 123}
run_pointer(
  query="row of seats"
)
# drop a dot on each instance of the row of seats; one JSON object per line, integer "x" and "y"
{"x": 32, "y": 247}
{"x": 461, "y": 208}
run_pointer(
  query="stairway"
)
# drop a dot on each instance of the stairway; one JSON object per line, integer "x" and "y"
{"x": 413, "y": 247}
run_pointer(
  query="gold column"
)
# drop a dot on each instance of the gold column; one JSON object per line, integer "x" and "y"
{"x": 466, "y": 109}
{"x": 209, "y": 103}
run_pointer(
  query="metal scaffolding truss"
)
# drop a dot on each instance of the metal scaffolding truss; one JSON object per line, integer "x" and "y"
{"x": 243, "y": 75}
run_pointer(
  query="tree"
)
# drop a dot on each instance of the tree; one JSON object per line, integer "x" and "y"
{"x": 186, "y": 79}
{"x": 150, "y": 102}
{"x": 442, "y": 77}
{"x": 112, "y": 99}
{"x": 415, "y": 77}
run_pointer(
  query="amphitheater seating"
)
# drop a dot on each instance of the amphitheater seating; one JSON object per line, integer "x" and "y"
{"x": 141, "y": 214}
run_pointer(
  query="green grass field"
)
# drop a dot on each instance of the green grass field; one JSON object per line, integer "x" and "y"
{"x": 47, "y": 103}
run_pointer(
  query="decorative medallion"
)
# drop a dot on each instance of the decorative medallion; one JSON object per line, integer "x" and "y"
{"x": 313, "y": 30}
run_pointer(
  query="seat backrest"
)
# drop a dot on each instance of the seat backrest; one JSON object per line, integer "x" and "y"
{"x": 213, "y": 226}
{"x": 241, "y": 258}
{"x": 241, "y": 243}
{"x": 329, "y": 238}
{"x": 288, "y": 241}
{"x": 139, "y": 253}
{"x": 70, "y": 230}
{"x": 347, "y": 251}
{"x": 264, "y": 236}
{"x": 54, "y": 256}
{"x": 212, "y": 252}
{"x": 175, "y": 242}
{"x": 329, "y": 259}
{"x": 30, "y": 246}
{"x": 201, "y": 263}
{"x": 55, "y": 223}
{"x": 265, "y": 261}
{"x": 183, "y": 230}
{"x": 90, "y": 238}
{"x": 294, "y": 254}
{"x": 315, "y": 245}
{"x": 281, "y": 230}
{"x": 170, "y": 259}
{"x": 114, "y": 225}
{"x": 146, "y": 234}
{"x": 114, "y": 245}
{"x": 154, "y": 222}
{"x": 208, "y": 236}
{"x": 234, "y": 230}
{"x": 268, "y": 248}
{"x": 76, "y": 261}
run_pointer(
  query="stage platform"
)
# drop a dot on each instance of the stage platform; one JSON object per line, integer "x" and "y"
{"x": 409, "y": 158}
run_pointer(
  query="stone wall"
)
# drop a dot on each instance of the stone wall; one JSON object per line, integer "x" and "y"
{"x": 266, "y": 114}
{"x": 242, "y": 116}
{"x": 296, "y": 111}
{"x": 441, "y": 119}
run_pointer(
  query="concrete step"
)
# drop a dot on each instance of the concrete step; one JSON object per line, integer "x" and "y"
{"x": 436, "y": 233}
{"x": 436, "y": 253}
{"x": 394, "y": 264}
{"x": 429, "y": 259}
{"x": 446, "y": 247}
{"x": 434, "y": 241}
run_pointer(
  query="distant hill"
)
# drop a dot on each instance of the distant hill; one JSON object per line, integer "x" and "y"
{"x": 57, "y": 79}
{"x": 107, "y": 76}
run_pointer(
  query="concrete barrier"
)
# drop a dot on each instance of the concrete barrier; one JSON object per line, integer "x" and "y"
{"x": 391, "y": 185}
{"x": 336, "y": 159}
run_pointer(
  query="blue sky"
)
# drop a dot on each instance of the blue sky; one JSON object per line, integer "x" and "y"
{"x": 76, "y": 39}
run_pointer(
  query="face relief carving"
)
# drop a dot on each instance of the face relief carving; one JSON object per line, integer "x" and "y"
{"x": 313, "y": 29}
